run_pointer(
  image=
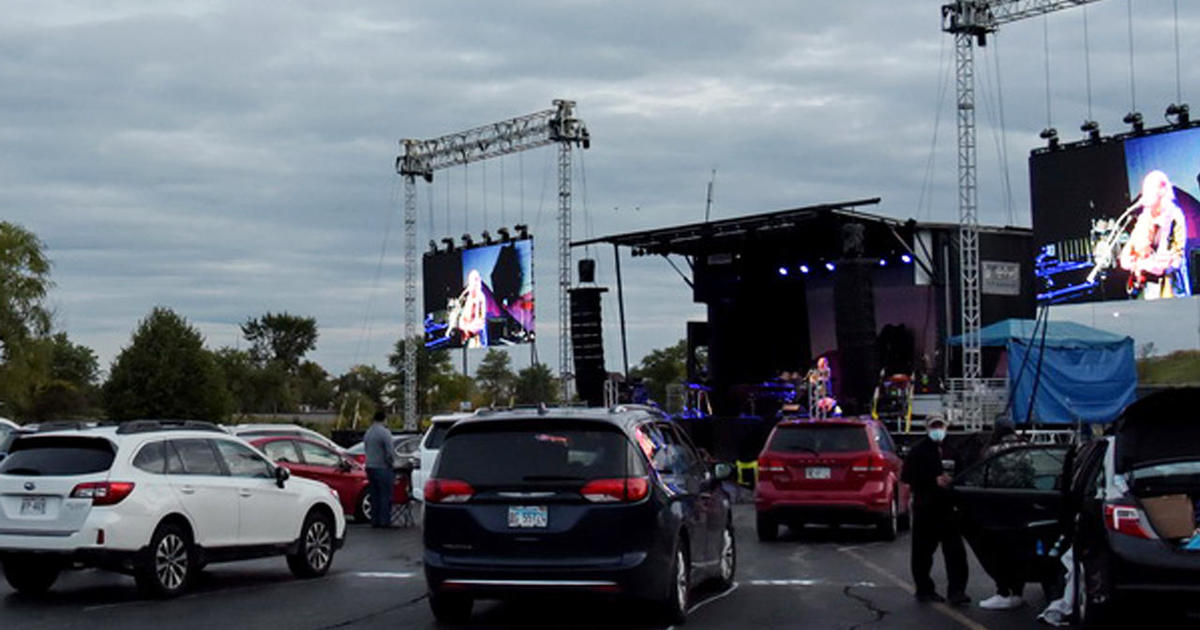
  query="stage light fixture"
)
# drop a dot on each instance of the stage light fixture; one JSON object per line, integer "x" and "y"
{"x": 1050, "y": 135}
{"x": 1092, "y": 129}
{"x": 830, "y": 266}
{"x": 1180, "y": 112}
{"x": 467, "y": 240}
{"x": 803, "y": 268}
{"x": 487, "y": 237}
{"x": 1134, "y": 119}
{"x": 522, "y": 230}
{"x": 783, "y": 271}
{"x": 504, "y": 235}
{"x": 449, "y": 243}
{"x": 432, "y": 246}
{"x": 906, "y": 258}
{"x": 882, "y": 262}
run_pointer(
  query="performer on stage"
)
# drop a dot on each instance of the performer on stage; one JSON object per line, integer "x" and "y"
{"x": 469, "y": 313}
{"x": 1153, "y": 256}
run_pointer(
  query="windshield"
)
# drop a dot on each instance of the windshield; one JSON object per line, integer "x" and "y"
{"x": 820, "y": 438}
{"x": 537, "y": 453}
{"x": 57, "y": 456}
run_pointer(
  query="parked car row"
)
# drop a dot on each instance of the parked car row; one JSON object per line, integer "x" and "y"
{"x": 157, "y": 500}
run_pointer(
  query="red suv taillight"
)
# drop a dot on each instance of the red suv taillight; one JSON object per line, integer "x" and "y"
{"x": 447, "y": 491}
{"x": 1126, "y": 519}
{"x": 768, "y": 467}
{"x": 870, "y": 464}
{"x": 103, "y": 492}
{"x": 624, "y": 490}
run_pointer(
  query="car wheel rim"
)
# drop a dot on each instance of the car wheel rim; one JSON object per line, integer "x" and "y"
{"x": 894, "y": 517}
{"x": 681, "y": 581}
{"x": 171, "y": 562}
{"x": 727, "y": 556}
{"x": 366, "y": 507}
{"x": 317, "y": 544}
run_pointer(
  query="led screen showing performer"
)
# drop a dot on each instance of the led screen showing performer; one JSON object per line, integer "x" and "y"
{"x": 1117, "y": 220}
{"x": 479, "y": 296}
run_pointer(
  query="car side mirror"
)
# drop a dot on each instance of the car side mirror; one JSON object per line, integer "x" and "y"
{"x": 281, "y": 475}
{"x": 723, "y": 472}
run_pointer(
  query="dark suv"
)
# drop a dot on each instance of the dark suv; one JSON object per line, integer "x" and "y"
{"x": 614, "y": 502}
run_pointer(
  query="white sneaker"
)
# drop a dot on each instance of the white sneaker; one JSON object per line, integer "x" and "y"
{"x": 1000, "y": 602}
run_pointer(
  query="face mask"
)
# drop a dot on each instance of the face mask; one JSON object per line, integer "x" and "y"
{"x": 937, "y": 435}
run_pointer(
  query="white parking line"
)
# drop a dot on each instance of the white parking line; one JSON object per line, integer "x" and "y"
{"x": 808, "y": 582}
{"x": 384, "y": 574}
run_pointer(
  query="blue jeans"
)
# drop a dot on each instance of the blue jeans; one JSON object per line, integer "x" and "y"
{"x": 379, "y": 485}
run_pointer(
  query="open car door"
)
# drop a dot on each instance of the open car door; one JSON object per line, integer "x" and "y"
{"x": 1010, "y": 505}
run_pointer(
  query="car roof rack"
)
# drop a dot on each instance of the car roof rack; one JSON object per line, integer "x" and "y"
{"x": 147, "y": 426}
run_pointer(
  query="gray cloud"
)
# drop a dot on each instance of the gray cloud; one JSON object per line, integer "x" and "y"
{"x": 229, "y": 158}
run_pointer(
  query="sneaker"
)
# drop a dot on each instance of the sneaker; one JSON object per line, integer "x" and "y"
{"x": 1001, "y": 602}
{"x": 931, "y": 597}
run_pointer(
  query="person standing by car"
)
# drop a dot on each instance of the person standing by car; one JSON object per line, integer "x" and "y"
{"x": 933, "y": 518}
{"x": 381, "y": 474}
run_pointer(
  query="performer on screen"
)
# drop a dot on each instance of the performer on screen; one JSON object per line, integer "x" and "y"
{"x": 1153, "y": 255}
{"x": 469, "y": 315}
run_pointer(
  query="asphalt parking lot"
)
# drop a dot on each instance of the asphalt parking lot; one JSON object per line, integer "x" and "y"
{"x": 818, "y": 578}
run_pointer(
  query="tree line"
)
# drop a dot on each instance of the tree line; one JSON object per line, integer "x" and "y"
{"x": 166, "y": 371}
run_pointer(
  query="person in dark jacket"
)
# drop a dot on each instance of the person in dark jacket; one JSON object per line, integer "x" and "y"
{"x": 934, "y": 522}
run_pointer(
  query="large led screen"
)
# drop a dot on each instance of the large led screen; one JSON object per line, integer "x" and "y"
{"x": 1117, "y": 219}
{"x": 479, "y": 296}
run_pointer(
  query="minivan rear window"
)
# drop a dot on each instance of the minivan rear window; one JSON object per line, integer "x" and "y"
{"x": 58, "y": 456}
{"x": 532, "y": 454}
{"x": 820, "y": 438}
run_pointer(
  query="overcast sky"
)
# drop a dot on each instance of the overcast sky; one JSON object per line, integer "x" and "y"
{"x": 226, "y": 159}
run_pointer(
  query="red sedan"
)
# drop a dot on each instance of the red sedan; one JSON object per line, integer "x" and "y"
{"x": 313, "y": 460}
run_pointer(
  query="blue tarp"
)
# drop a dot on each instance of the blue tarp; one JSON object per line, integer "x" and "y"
{"x": 1087, "y": 375}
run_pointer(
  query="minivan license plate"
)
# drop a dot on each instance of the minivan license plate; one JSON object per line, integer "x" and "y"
{"x": 33, "y": 506}
{"x": 816, "y": 472}
{"x": 528, "y": 516}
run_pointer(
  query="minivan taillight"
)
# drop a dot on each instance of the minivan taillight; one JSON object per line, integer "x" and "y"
{"x": 623, "y": 490}
{"x": 103, "y": 492}
{"x": 1126, "y": 519}
{"x": 447, "y": 491}
{"x": 870, "y": 464}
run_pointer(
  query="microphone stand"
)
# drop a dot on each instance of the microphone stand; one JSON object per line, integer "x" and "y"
{"x": 1102, "y": 254}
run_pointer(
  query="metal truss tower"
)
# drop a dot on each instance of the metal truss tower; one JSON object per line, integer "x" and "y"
{"x": 422, "y": 157}
{"x": 970, "y": 21}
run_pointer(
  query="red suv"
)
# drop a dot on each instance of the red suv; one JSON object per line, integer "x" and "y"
{"x": 842, "y": 470}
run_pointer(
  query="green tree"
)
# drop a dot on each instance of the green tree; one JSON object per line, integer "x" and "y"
{"x": 661, "y": 368}
{"x": 49, "y": 377}
{"x": 165, "y": 372}
{"x": 240, "y": 372}
{"x": 24, "y": 280}
{"x": 367, "y": 380}
{"x": 281, "y": 337}
{"x": 448, "y": 391}
{"x": 536, "y": 384}
{"x": 495, "y": 377}
{"x": 313, "y": 386}
{"x": 433, "y": 368}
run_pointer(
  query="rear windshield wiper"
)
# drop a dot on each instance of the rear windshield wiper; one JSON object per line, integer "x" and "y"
{"x": 551, "y": 478}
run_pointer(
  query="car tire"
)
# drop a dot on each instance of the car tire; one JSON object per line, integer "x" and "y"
{"x": 29, "y": 576}
{"x": 451, "y": 608}
{"x": 890, "y": 524}
{"x": 169, "y": 563}
{"x": 727, "y": 563}
{"x": 314, "y": 553}
{"x": 362, "y": 511}
{"x": 767, "y": 528}
{"x": 673, "y": 607}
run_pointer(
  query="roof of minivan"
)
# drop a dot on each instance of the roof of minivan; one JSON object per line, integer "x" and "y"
{"x": 624, "y": 416}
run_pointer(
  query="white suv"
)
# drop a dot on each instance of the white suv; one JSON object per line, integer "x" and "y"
{"x": 431, "y": 443}
{"x": 158, "y": 500}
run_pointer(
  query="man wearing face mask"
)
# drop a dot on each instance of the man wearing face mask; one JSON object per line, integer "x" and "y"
{"x": 934, "y": 520}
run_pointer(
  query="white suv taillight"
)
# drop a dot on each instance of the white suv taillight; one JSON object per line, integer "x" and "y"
{"x": 103, "y": 492}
